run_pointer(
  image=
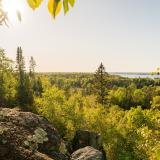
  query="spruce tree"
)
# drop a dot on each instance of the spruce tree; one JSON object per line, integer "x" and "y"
{"x": 20, "y": 66}
{"x": 24, "y": 89}
{"x": 100, "y": 84}
{"x": 37, "y": 87}
{"x": 35, "y": 82}
{"x": 32, "y": 67}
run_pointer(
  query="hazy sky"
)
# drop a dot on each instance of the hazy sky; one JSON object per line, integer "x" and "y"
{"x": 123, "y": 34}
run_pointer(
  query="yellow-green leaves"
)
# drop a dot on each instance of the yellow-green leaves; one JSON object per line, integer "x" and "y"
{"x": 66, "y": 4}
{"x": 34, "y": 3}
{"x": 72, "y": 2}
{"x": 54, "y": 7}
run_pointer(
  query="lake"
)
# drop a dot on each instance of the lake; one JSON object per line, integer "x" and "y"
{"x": 135, "y": 75}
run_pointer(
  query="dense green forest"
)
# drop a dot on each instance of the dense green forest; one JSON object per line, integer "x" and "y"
{"x": 125, "y": 111}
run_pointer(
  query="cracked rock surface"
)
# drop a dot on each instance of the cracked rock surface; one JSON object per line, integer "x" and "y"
{"x": 16, "y": 127}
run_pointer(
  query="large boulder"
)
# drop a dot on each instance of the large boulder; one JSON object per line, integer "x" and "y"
{"x": 87, "y": 153}
{"x": 27, "y": 136}
{"x": 84, "y": 138}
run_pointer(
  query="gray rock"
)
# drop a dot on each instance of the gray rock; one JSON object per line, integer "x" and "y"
{"x": 24, "y": 135}
{"x": 86, "y": 138}
{"x": 87, "y": 153}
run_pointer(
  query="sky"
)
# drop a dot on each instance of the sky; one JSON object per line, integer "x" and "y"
{"x": 123, "y": 34}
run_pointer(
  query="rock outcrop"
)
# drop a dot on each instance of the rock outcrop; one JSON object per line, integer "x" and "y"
{"x": 24, "y": 135}
{"x": 87, "y": 153}
{"x": 89, "y": 144}
{"x": 27, "y": 136}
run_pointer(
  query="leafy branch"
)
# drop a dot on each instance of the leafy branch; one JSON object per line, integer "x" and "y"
{"x": 54, "y": 8}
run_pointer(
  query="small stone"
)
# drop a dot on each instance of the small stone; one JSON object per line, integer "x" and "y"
{"x": 87, "y": 153}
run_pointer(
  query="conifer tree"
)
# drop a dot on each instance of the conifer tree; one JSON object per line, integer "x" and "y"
{"x": 35, "y": 82}
{"x": 20, "y": 66}
{"x": 32, "y": 67}
{"x": 100, "y": 84}
{"x": 24, "y": 89}
{"x": 37, "y": 87}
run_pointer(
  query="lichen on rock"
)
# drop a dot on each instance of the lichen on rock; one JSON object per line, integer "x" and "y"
{"x": 21, "y": 133}
{"x": 39, "y": 137}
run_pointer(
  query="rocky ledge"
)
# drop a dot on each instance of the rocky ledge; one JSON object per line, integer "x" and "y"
{"x": 27, "y": 136}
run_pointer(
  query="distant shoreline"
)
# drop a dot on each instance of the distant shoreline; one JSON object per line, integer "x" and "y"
{"x": 122, "y": 74}
{"x": 145, "y": 73}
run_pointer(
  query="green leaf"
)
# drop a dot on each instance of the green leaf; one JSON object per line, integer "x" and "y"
{"x": 158, "y": 153}
{"x": 65, "y": 6}
{"x": 71, "y": 2}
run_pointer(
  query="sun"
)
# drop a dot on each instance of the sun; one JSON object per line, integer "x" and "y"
{"x": 12, "y": 7}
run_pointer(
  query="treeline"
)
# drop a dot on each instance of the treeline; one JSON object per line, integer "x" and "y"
{"x": 120, "y": 91}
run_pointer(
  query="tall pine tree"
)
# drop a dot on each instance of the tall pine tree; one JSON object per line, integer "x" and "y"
{"x": 32, "y": 65}
{"x": 24, "y": 89}
{"x": 20, "y": 66}
{"x": 35, "y": 82}
{"x": 100, "y": 84}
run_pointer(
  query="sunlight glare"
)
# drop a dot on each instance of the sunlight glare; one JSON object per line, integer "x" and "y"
{"x": 11, "y": 7}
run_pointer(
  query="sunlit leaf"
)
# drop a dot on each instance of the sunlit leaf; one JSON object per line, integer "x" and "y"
{"x": 54, "y": 7}
{"x": 158, "y": 153}
{"x": 65, "y": 5}
{"x": 34, "y": 3}
{"x": 71, "y": 2}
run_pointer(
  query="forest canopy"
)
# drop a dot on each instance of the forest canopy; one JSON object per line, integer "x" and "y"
{"x": 125, "y": 111}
